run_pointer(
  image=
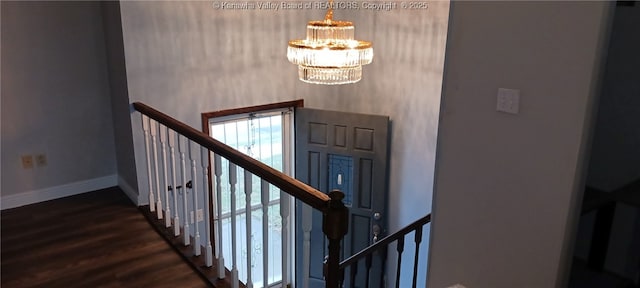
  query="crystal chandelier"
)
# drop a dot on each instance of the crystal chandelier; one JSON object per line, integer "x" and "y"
{"x": 330, "y": 55}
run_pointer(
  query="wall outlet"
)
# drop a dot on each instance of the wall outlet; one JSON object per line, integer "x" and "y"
{"x": 200, "y": 215}
{"x": 41, "y": 160}
{"x": 27, "y": 161}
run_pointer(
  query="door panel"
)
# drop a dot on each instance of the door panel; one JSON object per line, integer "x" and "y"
{"x": 346, "y": 151}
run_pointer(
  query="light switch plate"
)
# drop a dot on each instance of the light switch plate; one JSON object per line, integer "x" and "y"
{"x": 508, "y": 100}
{"x": 199, "y": 215}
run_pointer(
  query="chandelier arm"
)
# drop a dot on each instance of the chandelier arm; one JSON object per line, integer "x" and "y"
{"x": 329, "y": 16}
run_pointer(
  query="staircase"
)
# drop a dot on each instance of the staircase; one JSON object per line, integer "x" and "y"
{"x": 605, "y": 204}
{"x": 186, "y": 189}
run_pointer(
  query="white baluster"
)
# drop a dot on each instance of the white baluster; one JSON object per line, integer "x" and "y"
{"x": 247, "y": 191}
{"x": 145, "y": 128}
{"x": 217, "y": 163}
{"x": 284, "y": 214}
{"x": 208, "y": 260}
{"x": 176, "y": 218}
{"x": 185, "y": 209}
{"x": 233, "y": 179}
{"x": 194, "y": 182}
{"x": 167, "y": 209}
{"x": 306, "y": 244}
{"x": 264, "y": 190}
{"x": 153, "y": 130}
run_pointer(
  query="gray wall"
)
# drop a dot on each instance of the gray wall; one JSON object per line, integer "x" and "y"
{"x": 507, "y": 186}
{"x": 187, "y": 57}
{"x": 55, "y": 95}
{"x": 120, "y": 99}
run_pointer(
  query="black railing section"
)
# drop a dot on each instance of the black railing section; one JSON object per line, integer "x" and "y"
{"x": 604, "y": 203}
{"x": 379, "y": 249}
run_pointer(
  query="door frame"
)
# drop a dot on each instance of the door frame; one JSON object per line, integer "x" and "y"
{"x": 205, "y": 121}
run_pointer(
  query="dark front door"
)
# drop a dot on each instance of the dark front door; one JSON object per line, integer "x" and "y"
{"x": 345, "y": 151}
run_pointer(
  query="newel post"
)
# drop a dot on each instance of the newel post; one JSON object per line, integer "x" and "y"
{"x": 335, "y": 224}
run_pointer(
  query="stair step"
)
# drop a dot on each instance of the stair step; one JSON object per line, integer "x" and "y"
{"x": 197, "y": 263}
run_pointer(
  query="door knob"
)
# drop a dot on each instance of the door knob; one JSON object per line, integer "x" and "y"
{"x": 377, "y": 216}
{"x": 376, "y": 232}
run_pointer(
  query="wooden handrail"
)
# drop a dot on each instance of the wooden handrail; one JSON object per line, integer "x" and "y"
{"x": 386, "y": 241}
{"x": 287, "y": 184}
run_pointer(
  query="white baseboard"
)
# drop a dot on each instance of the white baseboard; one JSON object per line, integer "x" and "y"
{"x": 41, "y": 195}
{"x": 130, "y": 192}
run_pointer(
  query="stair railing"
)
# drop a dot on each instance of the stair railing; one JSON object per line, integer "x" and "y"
{"x": 380, "y": 248}
{"x": 195, "y": 151}
{"x": 604, "y": 203}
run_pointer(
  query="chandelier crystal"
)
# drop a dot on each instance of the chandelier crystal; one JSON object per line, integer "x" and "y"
{"x": 330, "y": 55}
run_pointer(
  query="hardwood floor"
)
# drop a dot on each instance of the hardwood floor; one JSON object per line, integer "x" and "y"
{"x": 95, "y": 239}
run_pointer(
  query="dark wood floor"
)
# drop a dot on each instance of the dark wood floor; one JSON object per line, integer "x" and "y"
{"x": 95, "y": 239}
